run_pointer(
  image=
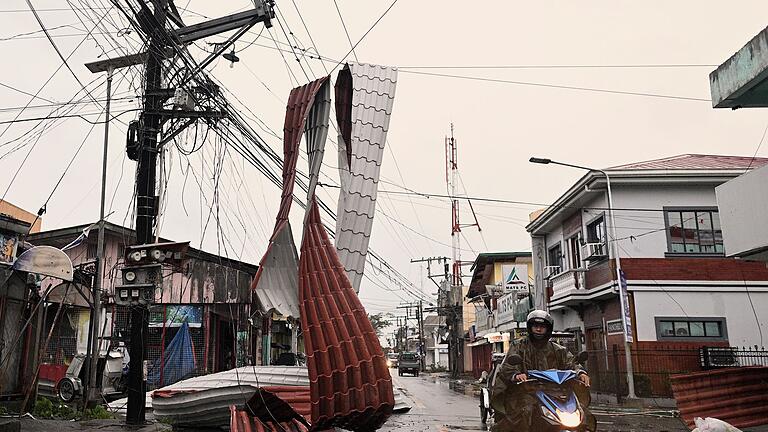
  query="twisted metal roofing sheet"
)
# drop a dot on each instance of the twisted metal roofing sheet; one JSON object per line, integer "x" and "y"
{"x": 317, "y": 132}
{"x": 349, "y": 380}
{"x": 364, "y": 98}
{"x": 275, "y": 283}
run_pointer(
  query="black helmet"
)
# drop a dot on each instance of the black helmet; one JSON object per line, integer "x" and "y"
{"x": 543, "y": 318}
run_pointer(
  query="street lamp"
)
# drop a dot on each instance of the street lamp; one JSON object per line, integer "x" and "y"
{"x": 94, "y": 346}
{"x": 623, "y": 295}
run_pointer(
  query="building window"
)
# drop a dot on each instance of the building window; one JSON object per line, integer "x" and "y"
{"x": 691, "y": 328}
{"x": 596, "y": 231}
{"x": 694, "y": 231}
{"x": 596, "y": 240}
{"x": 555, "y": 259}
{"x": 574, "y": 251}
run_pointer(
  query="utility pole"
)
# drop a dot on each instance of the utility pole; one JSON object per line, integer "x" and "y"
{"x": 146, "y": 209}
{"x": 153, "y": 23}
{"x": 423, "y": 346}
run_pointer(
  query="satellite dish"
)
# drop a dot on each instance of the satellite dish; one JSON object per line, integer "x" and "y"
{"x": 46, "y": 261}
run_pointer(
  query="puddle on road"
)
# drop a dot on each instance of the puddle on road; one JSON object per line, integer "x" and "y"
{"x": 464, "y": 388}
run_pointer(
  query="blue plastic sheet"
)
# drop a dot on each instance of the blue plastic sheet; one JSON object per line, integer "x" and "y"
{"x": 177, "y": 362}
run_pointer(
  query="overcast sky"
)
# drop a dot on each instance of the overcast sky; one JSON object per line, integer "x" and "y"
{"x": 498, "y": 125}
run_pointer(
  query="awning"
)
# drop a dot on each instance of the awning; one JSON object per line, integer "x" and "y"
{"x": 507, "y": 326}
{"x": 478, "y": 342}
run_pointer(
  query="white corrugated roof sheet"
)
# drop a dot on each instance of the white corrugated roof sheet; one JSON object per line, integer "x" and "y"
{"x": 373, "y": 93}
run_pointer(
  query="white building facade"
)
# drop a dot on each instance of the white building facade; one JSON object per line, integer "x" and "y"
{"x": 682, "y": 286}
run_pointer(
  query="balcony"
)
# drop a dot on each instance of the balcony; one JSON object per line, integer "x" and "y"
{"x": 577, "y": 286}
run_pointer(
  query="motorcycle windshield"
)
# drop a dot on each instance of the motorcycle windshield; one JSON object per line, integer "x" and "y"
{"x": 558, "y": 405}
{"x": 553, "y": 375}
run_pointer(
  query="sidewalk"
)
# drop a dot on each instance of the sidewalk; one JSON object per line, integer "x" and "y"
{"x": 111, "y": 425}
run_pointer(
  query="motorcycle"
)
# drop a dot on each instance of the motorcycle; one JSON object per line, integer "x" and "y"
{"x": 111, "y": 370}
{"x": 486, "y": 410}
{"x": 561, "y": 399}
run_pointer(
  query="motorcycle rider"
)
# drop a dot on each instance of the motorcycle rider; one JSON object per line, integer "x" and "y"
{"x": 512, "y": 406}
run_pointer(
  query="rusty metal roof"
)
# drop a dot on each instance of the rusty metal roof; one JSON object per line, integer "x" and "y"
{"x": 275, "y": 283}
{"x": 737, "y": 395}
{"x": 349, "y": 380}
{"x": 695, "y": 162}
{"x": 364, "y": 97}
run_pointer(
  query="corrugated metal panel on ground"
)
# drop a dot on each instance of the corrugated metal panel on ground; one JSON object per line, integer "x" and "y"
{"x": 738, "y": 396}
{"x": 275, "y": 282}
{"x": 205, "y": 400}
{"x": 349, "y": 379}
{"x": 364, "y": 98}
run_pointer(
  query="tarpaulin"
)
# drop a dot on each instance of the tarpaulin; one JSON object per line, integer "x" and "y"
{"x": 178, "y": 360}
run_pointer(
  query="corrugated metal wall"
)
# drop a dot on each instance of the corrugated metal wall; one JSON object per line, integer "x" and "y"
{"x": 738, "y": 396}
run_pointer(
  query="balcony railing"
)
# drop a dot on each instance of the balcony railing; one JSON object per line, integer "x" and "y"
{"x": 595, "y": 251}
{"x": 550, "y": 271}
{"x": 567, "y": 282}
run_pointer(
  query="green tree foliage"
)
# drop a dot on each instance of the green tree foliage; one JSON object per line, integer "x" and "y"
{"x": 380, "y": 321}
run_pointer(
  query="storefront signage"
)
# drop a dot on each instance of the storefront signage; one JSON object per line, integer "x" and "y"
{"x": 614, "y": 327}
{"x": 515, "y": 276}
{"x": 175, "y": 315}
{"x": 505, "y": 308}
{"x": 8, "y": 245}
{"x": 497, "y": 337}
{"x": 626, "y": 315}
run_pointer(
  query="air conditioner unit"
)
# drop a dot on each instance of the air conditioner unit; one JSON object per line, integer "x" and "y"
{"x": 550, "y": 271}
{"x": 595, "y": 251}
{"x": 716, "y": 357}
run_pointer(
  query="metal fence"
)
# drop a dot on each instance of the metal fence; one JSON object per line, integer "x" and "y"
{"x": 158, "y": 338}
{"x": 653, "y": 366}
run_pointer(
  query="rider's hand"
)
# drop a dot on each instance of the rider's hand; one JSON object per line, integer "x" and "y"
{"x": 521, "y": 377}
{"x": 584, "y": 378}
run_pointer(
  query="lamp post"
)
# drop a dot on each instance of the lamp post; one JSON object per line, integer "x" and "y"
{"x": 623, "y": 295}
{"x": 94, "y": 346}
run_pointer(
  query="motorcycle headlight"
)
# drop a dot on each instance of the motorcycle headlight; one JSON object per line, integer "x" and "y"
{"x": 549, "y": 415}
{"x": 569, "y": 419}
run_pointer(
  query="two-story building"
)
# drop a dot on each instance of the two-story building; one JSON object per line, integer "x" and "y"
{"x": 683, "y": 290}
{"x": 500, "y": 294}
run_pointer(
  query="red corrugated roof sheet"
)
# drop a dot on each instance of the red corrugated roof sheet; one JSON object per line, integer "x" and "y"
{"x": 349, "y": 380}
{"x": 242, "y": 421}
{"x": 695, "y": 162}
{"x": 276, "y": 408}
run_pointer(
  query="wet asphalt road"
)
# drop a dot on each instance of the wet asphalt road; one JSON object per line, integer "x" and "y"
{"x": 437, "y": 407}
